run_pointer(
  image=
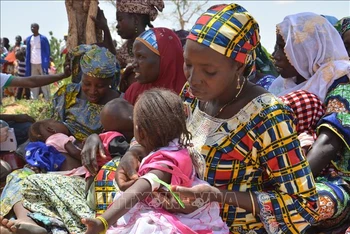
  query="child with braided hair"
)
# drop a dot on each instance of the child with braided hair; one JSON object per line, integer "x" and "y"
{"x": 160, "y": 127}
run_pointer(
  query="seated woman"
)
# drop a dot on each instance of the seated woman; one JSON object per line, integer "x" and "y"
{"x": 116, "y": 118}
{"x": 329, "y": 68}
{"x": 158, "y": 63}
{"x": 78, "y": 106}
{"x": 301, "y": 65}
{"x": 253, "y": 159}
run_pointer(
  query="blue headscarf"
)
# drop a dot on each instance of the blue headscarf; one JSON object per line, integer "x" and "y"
{"x": 96, "y": 62}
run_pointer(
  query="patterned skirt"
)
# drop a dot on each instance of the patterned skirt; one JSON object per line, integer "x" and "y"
{"x": 57, "y": 197}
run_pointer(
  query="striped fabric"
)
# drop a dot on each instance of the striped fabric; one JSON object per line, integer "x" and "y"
{"x": 21, "y": 68}
{"x": 149, "y": 39}
{"x": 257, "y": 150}
{"x": 229, "y": 30}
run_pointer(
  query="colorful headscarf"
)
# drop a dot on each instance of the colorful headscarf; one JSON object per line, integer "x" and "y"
{"x": 171, "y": 75}
{"x": 96, "y": 62}
{"x": 148, "y": 38}
{"x": 316, "y": 51}
{"x": 231, "y": 31}
{"x": 343, "y": 25}
{"x": 147, "y": 7}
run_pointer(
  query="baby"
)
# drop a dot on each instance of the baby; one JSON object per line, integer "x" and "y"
{"x": 116, "y": 119}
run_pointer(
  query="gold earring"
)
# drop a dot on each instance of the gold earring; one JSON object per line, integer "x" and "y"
{"x": 239, "y": 83}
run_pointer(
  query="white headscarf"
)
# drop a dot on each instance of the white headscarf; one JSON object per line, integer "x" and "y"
{"x": 316, "y": 51}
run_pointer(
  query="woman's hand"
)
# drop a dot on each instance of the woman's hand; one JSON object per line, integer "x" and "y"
{"x": 127, "y": 78}
{"x": 92, "y": 148}
{"x": 93, "y": 226}
{"x": 100, "y": 20}
{"x": 199, "y": 194}
{"x": 22, "y": 118}
{"x": 168, "y": 202}
{"x": 126, "y": 173}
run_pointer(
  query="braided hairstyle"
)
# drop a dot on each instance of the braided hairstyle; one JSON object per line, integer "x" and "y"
{"x": 160, "y": 114}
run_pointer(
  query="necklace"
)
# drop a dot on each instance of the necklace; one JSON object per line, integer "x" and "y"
{"x": 230, "y": 102}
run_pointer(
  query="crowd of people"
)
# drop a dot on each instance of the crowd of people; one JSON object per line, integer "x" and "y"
{"x": 155, "y": 137}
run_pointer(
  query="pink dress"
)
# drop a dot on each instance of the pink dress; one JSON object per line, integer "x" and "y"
{"x": 148, "y": 217}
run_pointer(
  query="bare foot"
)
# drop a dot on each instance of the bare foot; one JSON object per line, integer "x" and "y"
{"x": 20, "y": 227}
{"x": 3, "y": 226}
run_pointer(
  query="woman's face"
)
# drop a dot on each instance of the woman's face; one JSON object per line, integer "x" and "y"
{"x": 146, "y": 64}
{"x": 95, "y": 88}
{"x": 346, "y": 39}
{"x": 282, "y": 64}
{"x": 209, "y": 73}
{"x": 125, "y": 25}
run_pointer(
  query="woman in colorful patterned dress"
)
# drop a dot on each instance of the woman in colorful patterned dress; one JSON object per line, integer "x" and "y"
{"x": 79, "y": 105}
{"x": 252, "y": 157}
{"x": 326, "y": 71}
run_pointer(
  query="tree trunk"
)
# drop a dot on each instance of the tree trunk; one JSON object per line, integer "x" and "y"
{"x": 81, "y": 28}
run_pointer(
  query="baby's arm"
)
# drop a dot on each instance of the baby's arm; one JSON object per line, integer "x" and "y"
{"x": 73, "y": 150}
{"x": 137, "y": 192}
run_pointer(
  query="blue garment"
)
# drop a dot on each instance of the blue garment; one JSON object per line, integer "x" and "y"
{"x": 47, "y": 158}
{"x": 45, "y": 55}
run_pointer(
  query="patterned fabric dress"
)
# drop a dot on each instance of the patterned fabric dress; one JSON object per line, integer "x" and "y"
{"x": 333, "y": 187}
{"x": 80, "y": 116}
{"x": 256, "y": 150}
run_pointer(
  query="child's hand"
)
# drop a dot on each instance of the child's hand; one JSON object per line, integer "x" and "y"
{"x": 35, "y": 169}
{"x": 93, "y": 226}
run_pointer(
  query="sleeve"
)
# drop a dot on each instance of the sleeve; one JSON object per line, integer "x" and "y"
{"x": 5, "y": 80}
{"x": 337, "y": 117}
{"x": 288, "y": 202}
{"x": 118, "y": 146}
{"x": 47, "y": 54}
{"x": 59, "y": 103}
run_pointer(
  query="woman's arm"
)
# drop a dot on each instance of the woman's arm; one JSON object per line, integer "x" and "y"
{"x": 40, "y": 80}
{"x": 324, "y": 150}
{"x": 137, "y": 192}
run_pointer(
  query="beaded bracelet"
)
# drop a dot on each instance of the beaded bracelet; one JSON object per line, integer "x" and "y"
{"x": 105, "y": 224}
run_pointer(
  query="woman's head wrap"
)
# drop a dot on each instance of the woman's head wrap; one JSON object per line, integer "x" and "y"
{"x": 231, "y": 31}
{"x": 343, "y": 25}
{"x": 146, "y": 7}
{"x": 94, "y": 61}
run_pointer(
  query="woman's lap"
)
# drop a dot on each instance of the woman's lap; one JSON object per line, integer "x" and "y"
{"x": 57, "y": 196}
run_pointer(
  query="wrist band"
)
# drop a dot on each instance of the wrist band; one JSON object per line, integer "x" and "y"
{"x": 152, "y": 179}
{"x": 253, "y": 203}
{"x": 105, "y": 224}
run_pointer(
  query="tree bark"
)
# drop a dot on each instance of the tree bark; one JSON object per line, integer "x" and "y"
{"x": 81, "y": 28}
